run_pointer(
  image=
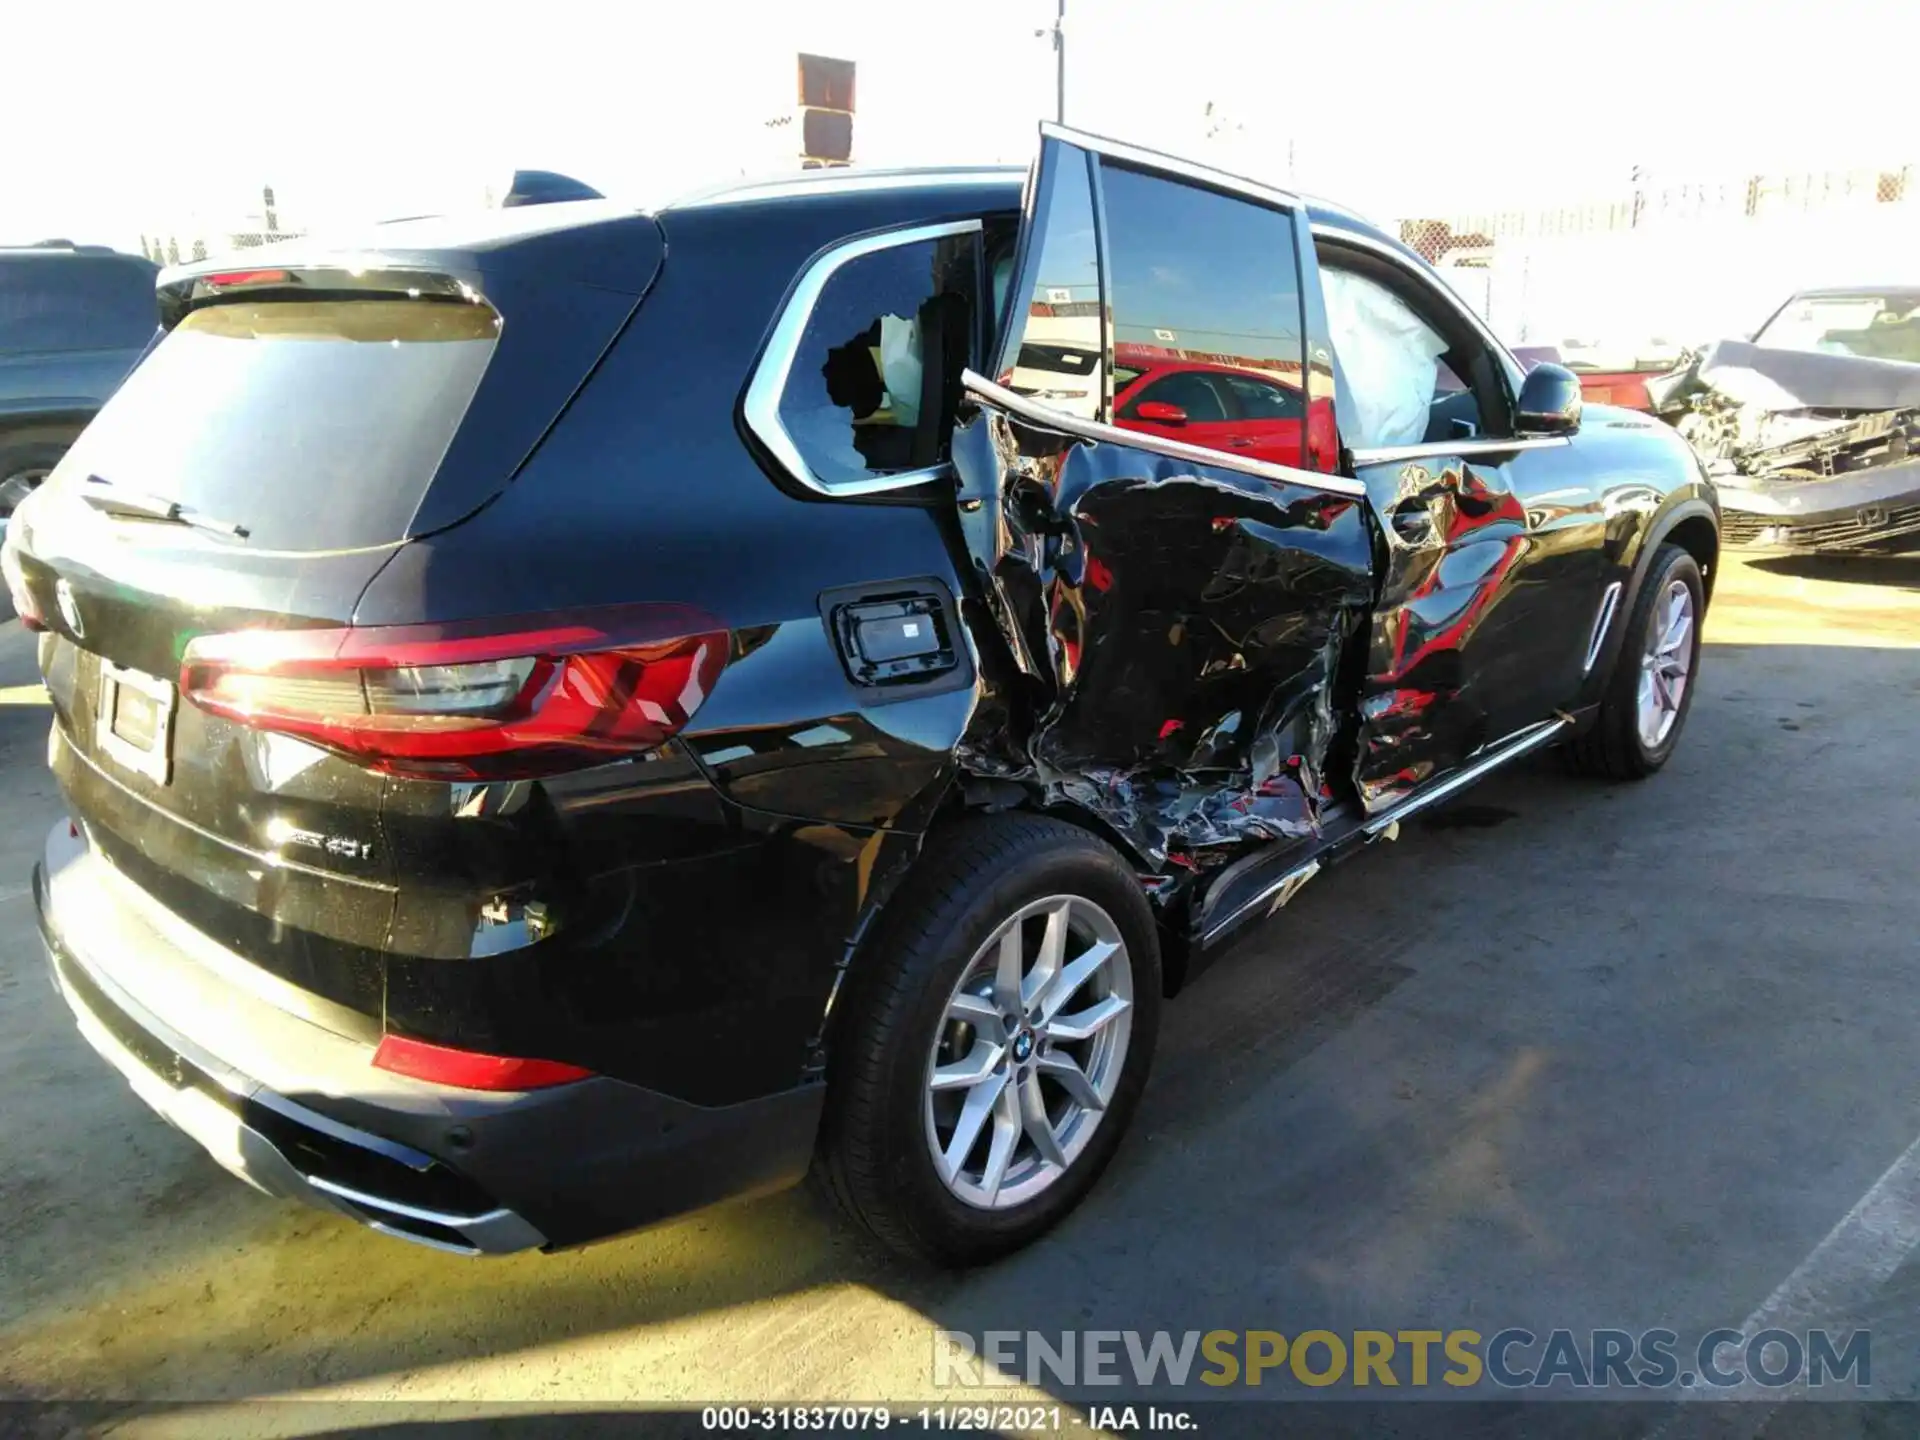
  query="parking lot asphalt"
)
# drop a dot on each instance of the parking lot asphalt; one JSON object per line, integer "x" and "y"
{"x": 1566, "y": 1055}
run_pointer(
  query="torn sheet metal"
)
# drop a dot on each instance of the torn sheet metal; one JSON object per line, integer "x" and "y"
{"x": 1811, "y": 451}
{"x": 1771, "y": 379}
{"x": 1735, "y": 440}
{"x": 1456, "y": 536}
{"x": 1816, "y": 447}
{"x": 1750, "y": 410}
{"x": 1180, "y": 630}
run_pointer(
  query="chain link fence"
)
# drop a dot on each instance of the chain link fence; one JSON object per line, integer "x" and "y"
{"x": 1627, "y": 279}
{"x": 1636, "y": 277}
{"x": 171, "y": 248}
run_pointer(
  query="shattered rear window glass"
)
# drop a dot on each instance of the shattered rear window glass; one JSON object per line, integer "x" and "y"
{"x": 863, "y": 395}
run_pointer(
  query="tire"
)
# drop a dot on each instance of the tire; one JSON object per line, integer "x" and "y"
{"x": 25, "y": 460}
{"x": 896, "y": 1024}
{"x": 1616, "y": 746}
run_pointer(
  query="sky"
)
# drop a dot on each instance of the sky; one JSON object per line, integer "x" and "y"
{"x": 129, "y": 119}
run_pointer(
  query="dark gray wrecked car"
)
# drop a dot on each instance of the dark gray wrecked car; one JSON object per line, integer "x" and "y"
{"x": 1811, "y": 429}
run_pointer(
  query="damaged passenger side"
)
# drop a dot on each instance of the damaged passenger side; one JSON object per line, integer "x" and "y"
{"x": 1178, "y": 587}
{"x": 1811, "y": 429}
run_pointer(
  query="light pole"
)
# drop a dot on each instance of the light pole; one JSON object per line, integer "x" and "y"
{"x": 1058, "y": 34}
{"x": 1060, "y": 63}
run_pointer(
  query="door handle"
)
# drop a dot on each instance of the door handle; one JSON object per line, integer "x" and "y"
{"x": 1412, "y": 520}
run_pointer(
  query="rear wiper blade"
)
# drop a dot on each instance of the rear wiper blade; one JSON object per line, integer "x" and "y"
{"x": 136, "y": 505}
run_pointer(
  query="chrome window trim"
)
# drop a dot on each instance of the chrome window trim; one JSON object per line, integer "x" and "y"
{"x": 761, "y": 407}
{"x": 1170, "y": 165}
{"x": 1387, "y": 454}
{"x": 1096, "y": 430}
{"x": 841, "y": 182}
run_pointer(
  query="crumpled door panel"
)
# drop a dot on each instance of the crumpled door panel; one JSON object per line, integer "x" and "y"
{"x": 1180, "y": 627}
{"x": 1455, "y": 540}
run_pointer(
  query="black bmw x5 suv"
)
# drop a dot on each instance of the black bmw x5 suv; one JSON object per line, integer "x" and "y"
{"x": 572, "y": 715}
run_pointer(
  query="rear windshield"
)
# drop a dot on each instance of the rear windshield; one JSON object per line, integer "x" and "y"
{"x": 315, "y": 425}
{"x": 56, "y": 302}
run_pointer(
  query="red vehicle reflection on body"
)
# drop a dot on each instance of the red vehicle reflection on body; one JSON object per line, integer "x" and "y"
{"x": 1230, "y": 408}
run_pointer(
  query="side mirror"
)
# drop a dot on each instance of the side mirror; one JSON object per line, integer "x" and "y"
{"x": 1160, "y": 413}
{"x": 1549, "y": 401}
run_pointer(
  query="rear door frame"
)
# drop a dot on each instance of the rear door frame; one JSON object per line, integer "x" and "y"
{"x": 1047, "y": 498}
{"x": 1053, "y": 138}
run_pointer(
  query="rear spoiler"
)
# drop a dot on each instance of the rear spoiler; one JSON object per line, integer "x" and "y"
{"x": 588, "y": 245}
{"x": 180, "y": 293}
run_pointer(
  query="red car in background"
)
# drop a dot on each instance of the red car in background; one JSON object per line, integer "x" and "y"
{"x": 1626, "y": 388}
{"x": 1222, "y": 407}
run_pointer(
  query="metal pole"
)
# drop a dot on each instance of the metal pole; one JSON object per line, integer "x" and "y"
{"x": 1060, "y": 63}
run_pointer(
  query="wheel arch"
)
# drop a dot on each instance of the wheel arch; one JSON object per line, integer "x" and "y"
{"x": 1691, "y": 519}
{"x": 1695, "y": 528}
{"x": 967, "y": 796}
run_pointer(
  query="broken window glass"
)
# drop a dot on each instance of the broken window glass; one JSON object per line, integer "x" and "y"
{"x": 866, "y": 392}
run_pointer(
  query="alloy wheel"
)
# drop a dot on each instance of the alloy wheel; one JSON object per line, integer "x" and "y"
{"x": 1029, "y": 1052}
{"x": 1666, "y": 664}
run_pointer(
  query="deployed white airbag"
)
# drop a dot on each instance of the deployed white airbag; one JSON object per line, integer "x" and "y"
{"x": 901, "y": 367}
{"x": 1389, "y": 357}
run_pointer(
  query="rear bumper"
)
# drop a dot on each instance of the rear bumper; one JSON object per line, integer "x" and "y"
{"x": 292, "y": 1105}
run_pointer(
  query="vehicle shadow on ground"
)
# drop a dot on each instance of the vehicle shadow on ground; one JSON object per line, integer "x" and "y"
{"x": 282, "y": 1298}
{"x": 1901, "y": 572}
{"x": 1248, "y": 1193}
{"x": 294, "y": 1299}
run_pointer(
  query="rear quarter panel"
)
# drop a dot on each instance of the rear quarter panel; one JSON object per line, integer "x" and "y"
{"x": 680, "y": 921}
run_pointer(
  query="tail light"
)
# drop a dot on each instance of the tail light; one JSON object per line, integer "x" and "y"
{"x": 469, "y": 1069}
{"x": 497, "y": 699}
{"x": 232, "y": 279}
